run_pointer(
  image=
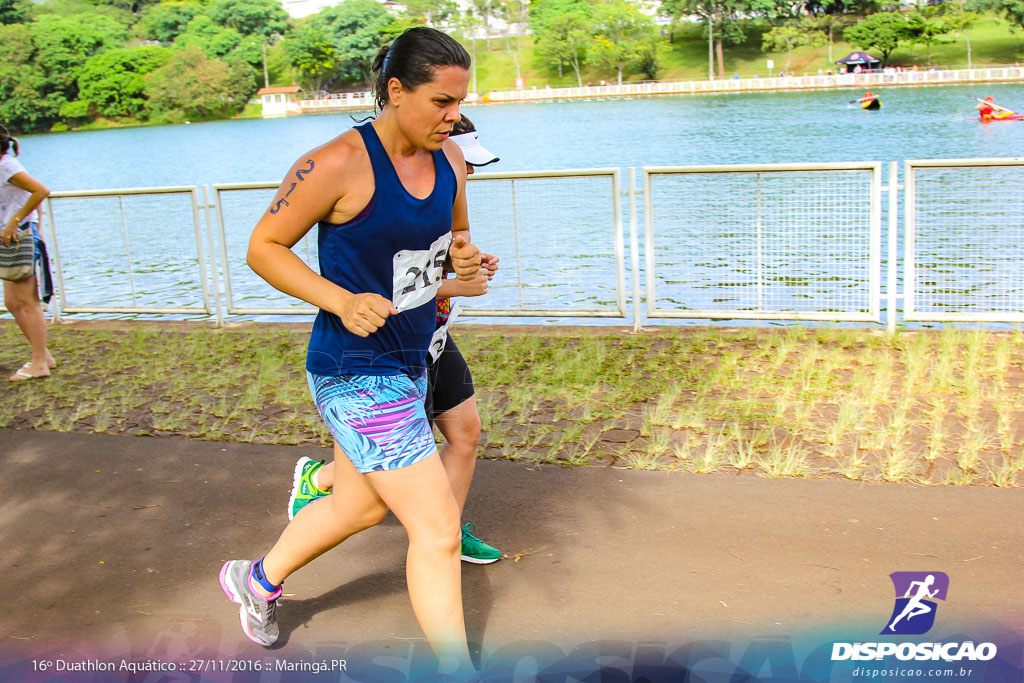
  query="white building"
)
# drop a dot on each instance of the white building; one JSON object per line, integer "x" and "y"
{"x": 280, "y": 101}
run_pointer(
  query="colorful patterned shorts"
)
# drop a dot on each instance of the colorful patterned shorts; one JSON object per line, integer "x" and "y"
{"x": 378, "y": 421}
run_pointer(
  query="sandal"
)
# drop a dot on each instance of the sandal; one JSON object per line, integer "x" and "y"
{"x": 22, "y": 374}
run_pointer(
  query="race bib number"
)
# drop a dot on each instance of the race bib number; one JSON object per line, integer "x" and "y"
{"x": 440, "y": 337}
{"x": 418, "y": 274}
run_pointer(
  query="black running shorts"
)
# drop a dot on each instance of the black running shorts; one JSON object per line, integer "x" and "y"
{"x": 448, "y": 381}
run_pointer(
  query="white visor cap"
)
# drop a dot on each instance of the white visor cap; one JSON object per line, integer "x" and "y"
{"x": 475, "y": 153}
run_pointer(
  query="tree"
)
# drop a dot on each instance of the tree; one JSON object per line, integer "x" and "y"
{"x": 961, "y": 20}
{"x": 13, "y": 11}
{"x": 622, "y": 32}
{"x": 112, "y": 84}
{"x": 566, "y": 39}
{"x": 791, "y": 36}
{"x": 27, "y": 104}
{"x": 881, "y": 32}
{"x": 132, "y": 6}
{"x": 1011, "y": 10}
{"x": 311, "y": 51}
{"x": 722, "y": 24}
{"x": 218, "y": 41}
{"x": 191, "y": 85}
{"x": 432, "y": 12}
{"x": 928, "y": 26}
{"x": 467, "y": 25}
{"x": 357, "y": 28}
{"x": 562, "y": 32}
{"x": 829, "y": 24}
{"x": 64, "y": 44}
{"x": 251, "y": 17}
{"x": 487, "y": 10}
{"x": 515, "y": 13}
{"x": 168, "y": 20}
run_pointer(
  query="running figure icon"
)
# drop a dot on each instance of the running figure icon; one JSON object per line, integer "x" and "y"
{"x": 916, "y": 606}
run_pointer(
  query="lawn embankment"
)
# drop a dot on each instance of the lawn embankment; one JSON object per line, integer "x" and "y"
{"x": 938, "y": 407}
{"x": 686, "y": 57}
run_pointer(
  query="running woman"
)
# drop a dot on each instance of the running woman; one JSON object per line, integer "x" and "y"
{"x": 389, "y": 200}
{"x": 450, "y": 398}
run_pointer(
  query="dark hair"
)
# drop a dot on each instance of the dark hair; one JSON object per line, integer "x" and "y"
{"x": 7, "y": 141}
{"x": 412, "y": 58}
{"x": 463, "y": 125}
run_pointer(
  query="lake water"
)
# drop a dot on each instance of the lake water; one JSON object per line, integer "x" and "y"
{"x": 797, "y": 127}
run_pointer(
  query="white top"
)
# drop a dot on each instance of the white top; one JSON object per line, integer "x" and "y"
{"x": 12, "y": 198}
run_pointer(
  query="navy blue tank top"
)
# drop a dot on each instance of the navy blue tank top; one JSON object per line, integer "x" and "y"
{"x": 395, "y": 249}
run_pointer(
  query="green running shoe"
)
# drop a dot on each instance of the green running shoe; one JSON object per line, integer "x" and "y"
{"x": 476, "y": 551}
{"x": 304, "y": 491}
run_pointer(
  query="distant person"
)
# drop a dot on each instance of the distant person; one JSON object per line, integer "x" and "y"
{"x": 20, "y": 195}
{"x": 389, "y": 201}
{"x": 869, "y": 101}
{"x": 450, "y": 399}
{"x": 990, "y": 111}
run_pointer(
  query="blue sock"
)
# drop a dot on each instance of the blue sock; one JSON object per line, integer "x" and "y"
{"x": 261, "y": 578}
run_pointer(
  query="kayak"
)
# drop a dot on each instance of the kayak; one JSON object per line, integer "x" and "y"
{"x": 1011, "y": 117}
{"x": 871, "y": 104}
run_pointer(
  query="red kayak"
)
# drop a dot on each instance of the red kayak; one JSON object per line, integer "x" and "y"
{"x": 1011, "y": 117}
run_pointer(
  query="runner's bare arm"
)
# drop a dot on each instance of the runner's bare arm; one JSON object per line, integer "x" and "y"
{"x": 39, "y": 192}
{"x": 475, "y": 287}
{"x": 314, "y": 188}
{"x": 464, "y": 254}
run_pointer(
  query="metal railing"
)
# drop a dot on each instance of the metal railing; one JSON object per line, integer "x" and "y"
{"x": 238, "y": 207}
{"x": 772, "y": 241}
{"x": 552, "y": 230}
{"x": 152, "y": 226}
{"x": 964, "y": 240}
{"x": 578, "y": 210}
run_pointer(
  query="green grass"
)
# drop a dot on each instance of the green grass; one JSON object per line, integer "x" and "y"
{"x": 789, "y": 402}
{"x": 686, "y": 58}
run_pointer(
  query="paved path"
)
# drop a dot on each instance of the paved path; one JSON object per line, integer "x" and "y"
{"x": 112, "y": 546}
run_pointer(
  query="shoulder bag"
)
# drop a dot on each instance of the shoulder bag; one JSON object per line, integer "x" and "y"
{"x": 17, "y": 261}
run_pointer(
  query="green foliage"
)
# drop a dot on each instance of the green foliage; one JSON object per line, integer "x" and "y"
{"x": 623, "y": 35}
{"x": 841, "y": 7}
{"x": 357, "y": 29}
{"x": 63, "y": 44}
{"x": 928, "y": 27}
{"x": 13, "y": 11}
{"x": 133, "y": 6}
{"x": 791, "y": 36}
{"x": 112, "y": 84}
{"x": 1011, "y": 10}
{"x": 26, "y": 102}
{"x": 882, "y": 32}
{"x": 192, "y": 85}
{"x": 215, "y": 40}
{"x": 168, "y": 20}
{"x": 251, "y": 17}
{"x": 565, "y": 37}
{"x": 310, "y": 50}
{"x": 431, "y": 12}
